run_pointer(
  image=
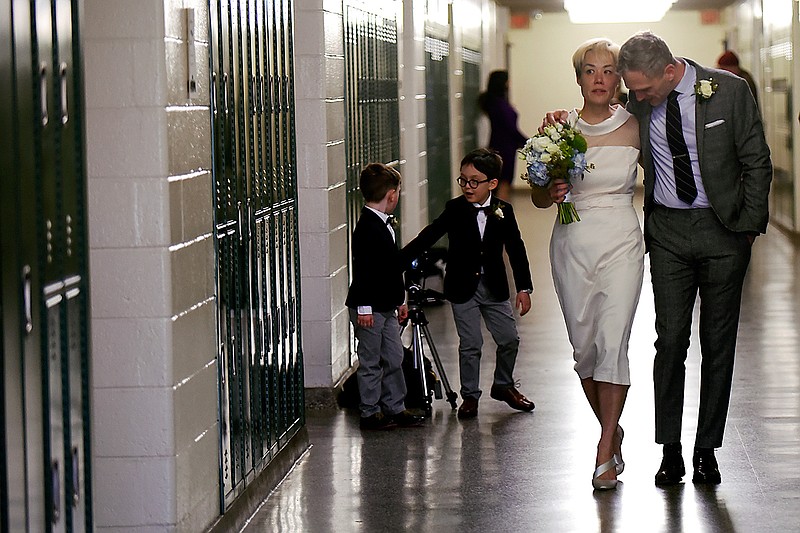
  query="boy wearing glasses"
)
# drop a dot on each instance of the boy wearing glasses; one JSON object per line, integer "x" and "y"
{"x": 479, "y": 227}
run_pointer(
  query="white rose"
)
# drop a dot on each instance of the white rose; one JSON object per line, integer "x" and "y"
{"x": 545, "y": 158}
{"x": 540, "y": 144}
{"x": 553, "y": 148}
{"x": 705, "y": 88}
{"x": 555, "y": 135}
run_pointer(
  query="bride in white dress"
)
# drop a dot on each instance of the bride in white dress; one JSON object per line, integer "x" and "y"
{"x": 598, "y": 262}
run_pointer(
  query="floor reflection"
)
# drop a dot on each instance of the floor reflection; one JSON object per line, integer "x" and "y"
{"x": 531, "y": 472}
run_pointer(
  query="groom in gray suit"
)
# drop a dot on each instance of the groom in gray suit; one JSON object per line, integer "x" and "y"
{"x": 707, "y": 173}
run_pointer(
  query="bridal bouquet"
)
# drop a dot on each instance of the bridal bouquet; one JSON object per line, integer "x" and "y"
{"x": 557, "y": 153}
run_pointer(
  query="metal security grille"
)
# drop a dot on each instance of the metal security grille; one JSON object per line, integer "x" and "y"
{"x": 371, "y": 95}
{"x": 472, "y": 88}
{"x": 44, "y": 272}
{"x": 254, "y": 163}
{"x": 437, "y": 109}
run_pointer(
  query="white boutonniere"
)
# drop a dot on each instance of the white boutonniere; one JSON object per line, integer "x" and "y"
{"x": 498, "y": 212}
{"x": 705, "y": 89}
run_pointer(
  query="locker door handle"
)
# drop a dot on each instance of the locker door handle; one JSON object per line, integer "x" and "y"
{"x": 261, "y": 94}
{"x": 43, "y": 92}
{"x": 225, "y": 93}
{"x": 56, "y": 495}
{"x": 214, "y": 103}
{"x": 64, "y": 110}
{"x": 241, "y": 222}
{"x": 76, "y": 477}
{"x": 26, "y": 297}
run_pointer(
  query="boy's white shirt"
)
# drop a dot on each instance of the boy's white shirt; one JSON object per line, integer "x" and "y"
{"x": 482, "y": 214}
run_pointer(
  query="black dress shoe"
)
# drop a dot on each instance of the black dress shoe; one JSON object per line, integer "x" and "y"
{"x": 512, "y": 397}
{"x": 468, "y": 408}
{"x": 672, "y": 468}
{"x": 407, "y": 419}
{"x": 378, "y": 421}
{"x": 706, "y": 469}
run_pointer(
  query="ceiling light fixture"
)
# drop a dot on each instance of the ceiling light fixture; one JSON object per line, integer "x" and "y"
{"x": 613, "y": 11}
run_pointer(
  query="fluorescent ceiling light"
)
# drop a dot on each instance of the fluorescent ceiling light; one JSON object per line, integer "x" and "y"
{"x": 611, "y": 11}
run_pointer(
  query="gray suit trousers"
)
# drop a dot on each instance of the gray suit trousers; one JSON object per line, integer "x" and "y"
{"x": 381, "y": 382}
{"x": 691, "y": 254}
{"x": 499, "y": 319}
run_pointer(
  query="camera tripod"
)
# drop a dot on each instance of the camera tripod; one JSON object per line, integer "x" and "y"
{"x": 420, "y": 331}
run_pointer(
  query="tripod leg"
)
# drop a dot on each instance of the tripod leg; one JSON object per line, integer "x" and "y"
{"x": 451, "y": 395}
{"x": 419, "y": 364}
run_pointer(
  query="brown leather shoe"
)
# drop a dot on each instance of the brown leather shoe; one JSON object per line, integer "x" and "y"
{"x": 468, "y": 409}
{"x": 512, "y": 397}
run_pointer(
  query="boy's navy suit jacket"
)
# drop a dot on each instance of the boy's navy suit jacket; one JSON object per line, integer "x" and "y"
{"x": 467, "y": 253}
{"x": 377, "y": 268}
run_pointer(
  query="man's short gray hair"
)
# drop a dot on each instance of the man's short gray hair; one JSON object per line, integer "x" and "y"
{"x": 644, "y": 52}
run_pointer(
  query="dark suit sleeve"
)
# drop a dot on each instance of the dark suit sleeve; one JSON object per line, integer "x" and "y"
{"x": 754, "y": 156}
{"x": 426, "y": 238}
{"x": 515, "y": 249}
{"x": 364, "y": 264}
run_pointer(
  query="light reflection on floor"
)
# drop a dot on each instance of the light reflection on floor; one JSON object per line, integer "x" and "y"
{"x": 531, "y": 472}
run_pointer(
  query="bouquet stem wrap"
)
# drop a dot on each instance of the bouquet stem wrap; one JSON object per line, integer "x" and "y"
{"x": 567, "y": 214}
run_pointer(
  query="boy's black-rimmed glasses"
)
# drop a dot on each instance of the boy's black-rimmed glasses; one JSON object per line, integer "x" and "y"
{"x": 473, "y": 184}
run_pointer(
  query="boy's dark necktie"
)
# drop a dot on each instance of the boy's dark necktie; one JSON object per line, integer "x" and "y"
{"x": 684, "y": 179}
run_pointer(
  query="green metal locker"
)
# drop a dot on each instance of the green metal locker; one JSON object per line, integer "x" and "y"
{"x": 45, "y": 482}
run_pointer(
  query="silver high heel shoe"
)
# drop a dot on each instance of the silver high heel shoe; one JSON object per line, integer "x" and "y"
{"x": 620, "y": 463}
{"x": 605, "y": 484}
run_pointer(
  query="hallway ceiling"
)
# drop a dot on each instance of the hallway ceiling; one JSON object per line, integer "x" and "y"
{"x": 555, "y": 6}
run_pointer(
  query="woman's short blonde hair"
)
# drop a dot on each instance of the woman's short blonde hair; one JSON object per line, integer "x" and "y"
{"x": 598, "y": 45}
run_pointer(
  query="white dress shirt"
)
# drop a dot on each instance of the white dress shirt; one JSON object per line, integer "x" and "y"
{"x": 482, "y": 214}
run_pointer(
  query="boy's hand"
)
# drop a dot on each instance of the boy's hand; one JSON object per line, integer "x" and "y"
{"x": 523, "y": 302}
{"x": 402, "y": 313}
{"x": 365, "y": 321}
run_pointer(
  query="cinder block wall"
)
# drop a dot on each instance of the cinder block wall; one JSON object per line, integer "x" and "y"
{"x": 155, "y": 436}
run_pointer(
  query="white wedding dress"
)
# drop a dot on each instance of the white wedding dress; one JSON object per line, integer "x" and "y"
{"x": 598, "y": 262}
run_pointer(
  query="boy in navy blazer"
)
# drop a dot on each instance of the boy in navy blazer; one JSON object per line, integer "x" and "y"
{"x": 479, "y": 227}
{"x": 376, "y": 294}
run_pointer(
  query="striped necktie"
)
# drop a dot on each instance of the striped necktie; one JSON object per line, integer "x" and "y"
{"x": 684, "y": 178}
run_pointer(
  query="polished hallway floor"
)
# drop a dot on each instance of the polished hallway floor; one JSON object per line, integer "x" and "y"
{"x": 508, "y": 471}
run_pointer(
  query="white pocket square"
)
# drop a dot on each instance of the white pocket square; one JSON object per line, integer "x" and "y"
{"x": 715, "y": 123}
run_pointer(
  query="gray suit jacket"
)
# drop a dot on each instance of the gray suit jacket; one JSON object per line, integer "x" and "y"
{"x": 735, "y": 163}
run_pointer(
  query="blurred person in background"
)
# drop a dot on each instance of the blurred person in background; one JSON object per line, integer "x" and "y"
{"x": 505, "y": 137}
{"x": 730, "y": 61}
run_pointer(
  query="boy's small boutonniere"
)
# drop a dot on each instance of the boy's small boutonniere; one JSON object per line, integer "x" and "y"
{"x": 705, "y": 89}
{"x": 497, "y": 211}
{"x": 392, "y": 221}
